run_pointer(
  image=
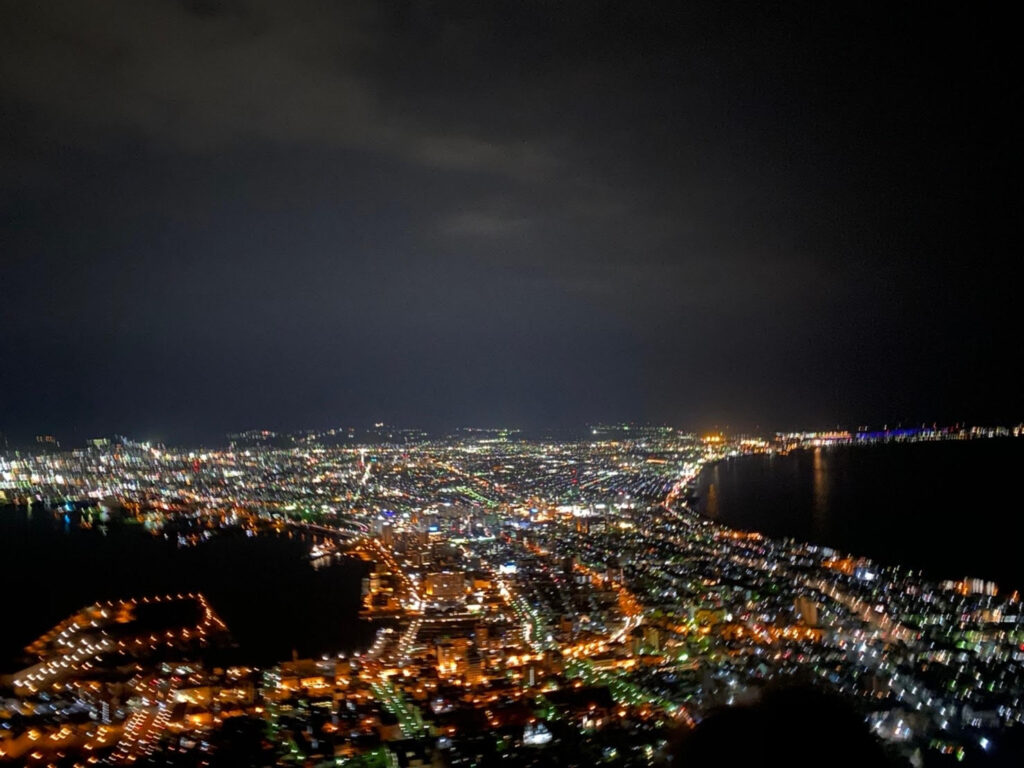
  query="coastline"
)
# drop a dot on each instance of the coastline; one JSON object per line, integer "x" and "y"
{"x": 874, "y": 501}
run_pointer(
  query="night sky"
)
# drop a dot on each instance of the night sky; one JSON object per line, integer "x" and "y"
{"x": 225, "y": 215}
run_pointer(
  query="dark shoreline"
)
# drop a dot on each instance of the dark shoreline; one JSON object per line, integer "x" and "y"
{"x": 61, "y": 571}
{"x": 936, "y": 507}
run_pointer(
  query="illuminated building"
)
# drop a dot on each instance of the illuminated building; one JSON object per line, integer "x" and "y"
{"x": 446, "y": 585}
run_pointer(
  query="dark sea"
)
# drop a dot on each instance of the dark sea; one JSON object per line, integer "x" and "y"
{"x": 951, "y": 509}
{"x": 264, "y": 588}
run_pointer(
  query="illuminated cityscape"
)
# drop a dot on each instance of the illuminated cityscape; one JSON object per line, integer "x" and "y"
{"x": 533, "y": 601}
{"x": 510, "y": 384}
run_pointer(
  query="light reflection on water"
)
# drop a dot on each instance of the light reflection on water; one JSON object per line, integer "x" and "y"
{"x": 263, "y": 587}
{"x": 821, "y": 490}
{"x": 949, "y": 508}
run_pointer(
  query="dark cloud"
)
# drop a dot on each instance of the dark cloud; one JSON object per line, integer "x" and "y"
{"x": 200, "y": 77}
{"x": 219, "y": 214}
